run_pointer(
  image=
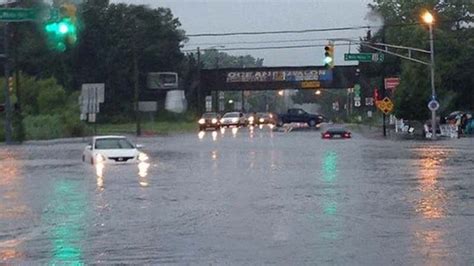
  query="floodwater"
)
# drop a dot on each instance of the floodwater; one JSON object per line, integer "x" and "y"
{"x": 241, "y": 196}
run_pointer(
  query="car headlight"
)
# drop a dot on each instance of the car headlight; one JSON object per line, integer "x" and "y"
{"x": 142, "y": 157}
{"x": 222, "y": 120}
{"x": 214, "y": 121}
{"x": 271, "y": 116}
{"x": 201, "y": 121}
{"x": 251, "y": 119}
{"x": 261, "y": 120}
{"x": 235, "y": 120}
{"x": 99, "y": 158}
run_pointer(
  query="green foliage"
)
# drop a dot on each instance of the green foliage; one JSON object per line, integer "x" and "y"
{"x": 454, "y": 54}
{"x": 43, "y": 126}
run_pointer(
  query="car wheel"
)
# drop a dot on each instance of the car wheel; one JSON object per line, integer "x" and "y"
{"x": 312, "y": 123}
{"x": 279, "y": 123}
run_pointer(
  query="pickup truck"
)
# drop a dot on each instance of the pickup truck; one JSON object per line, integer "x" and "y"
{"x": 297, "y": 115}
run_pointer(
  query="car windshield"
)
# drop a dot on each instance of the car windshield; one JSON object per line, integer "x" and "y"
{"x": 231, "y": 115}
{"x": 209, "y": 115}
{"x": 113, "y": 143}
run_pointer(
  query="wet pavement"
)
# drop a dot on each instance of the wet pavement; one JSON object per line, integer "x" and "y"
{"x": 241, "y": 197}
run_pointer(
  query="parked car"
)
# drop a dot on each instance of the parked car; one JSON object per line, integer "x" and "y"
{"x": 299, "y": 115}
{"x": 336, "y": 133}
{"x": 209, "y": 120}
{"x": 112, "y": 150}
{"x": 233, "y": 119}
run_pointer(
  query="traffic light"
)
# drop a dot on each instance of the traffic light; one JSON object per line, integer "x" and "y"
{"x": 329, "y": 55}
{"x": 11, "y": 83}
{"x": 62, "y": 30}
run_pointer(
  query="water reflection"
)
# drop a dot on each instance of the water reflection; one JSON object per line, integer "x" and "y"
{"x": 214, "y": 155}
{"x": 222, "y": 130}
{"x": 143, "y": 174}
{"x": 214, "y": 135}
{"x": 329, "y": 203}
{"x": 234, "y": 131}
{"x": 431, "y": 204}
{"x": 201, "y": 134}
{"x": 65, "y": 218}
{"x": 12, "y": 205}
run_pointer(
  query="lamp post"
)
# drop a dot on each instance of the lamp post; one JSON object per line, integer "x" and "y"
{"x": 428, "y": 18}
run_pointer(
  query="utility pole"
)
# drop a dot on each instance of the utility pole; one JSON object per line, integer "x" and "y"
{"x": 384, "y": 91}
{"x": 19, "y": 116}
{"x": 198, "y": 100}
{"x": 8, "y": 109}
{"x": 136, "y": 87}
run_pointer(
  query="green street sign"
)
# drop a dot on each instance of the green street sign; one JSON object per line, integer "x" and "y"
{"x": 365, "y": 57}
{"x": 17, "y": 14}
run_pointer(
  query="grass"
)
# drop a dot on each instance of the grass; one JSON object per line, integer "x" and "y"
{"x": 147, "y": 128}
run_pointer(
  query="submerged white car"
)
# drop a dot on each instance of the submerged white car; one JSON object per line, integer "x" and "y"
{"x": 112, "y": 150}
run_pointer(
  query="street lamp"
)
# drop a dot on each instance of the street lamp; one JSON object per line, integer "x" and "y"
{"x": 429, "y": 19}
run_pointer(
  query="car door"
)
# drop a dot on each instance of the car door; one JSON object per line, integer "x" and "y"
{"x": 302, "y": 116}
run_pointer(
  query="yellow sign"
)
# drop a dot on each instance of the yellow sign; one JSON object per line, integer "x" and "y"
{"x": 310, "y": 84}
{"x": 385, "y": 105}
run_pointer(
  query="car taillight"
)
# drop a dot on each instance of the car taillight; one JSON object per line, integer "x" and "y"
{"x": 347, "y": 135}
{"x": 326, "y": 136}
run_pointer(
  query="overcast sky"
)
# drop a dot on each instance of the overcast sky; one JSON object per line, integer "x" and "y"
{"x": 221, "y": 16}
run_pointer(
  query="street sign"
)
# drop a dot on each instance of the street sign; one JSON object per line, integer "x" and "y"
{"x": 433, "y": 105}
{"x": 17, "y": 14}
{"x": 385, "y": 105}
{"x": 310, "y": 84}
{"x": 365, "y": 57}
{"x": 357, "y": 103}
{"x": 369, "y": 101}
{"x": 391, "y": 83}
{"x": 357, "y": 98}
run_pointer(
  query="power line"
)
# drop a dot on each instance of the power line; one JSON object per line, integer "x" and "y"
{"x": 272, "y": 41}
{"x": 276, "y": 32}
{"x": 298, "y": 31}
{"x": 273, "y": 47}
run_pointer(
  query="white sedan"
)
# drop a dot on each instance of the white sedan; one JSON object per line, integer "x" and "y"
{"x": 112, "y": 150}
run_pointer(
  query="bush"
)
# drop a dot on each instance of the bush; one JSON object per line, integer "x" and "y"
{"x": 43, "y": 126}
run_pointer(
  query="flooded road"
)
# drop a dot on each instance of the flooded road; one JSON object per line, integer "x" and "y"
{"x": 241, "y": 197}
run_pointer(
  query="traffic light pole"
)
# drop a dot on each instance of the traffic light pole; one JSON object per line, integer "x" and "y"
{"x": 8, "y": 109}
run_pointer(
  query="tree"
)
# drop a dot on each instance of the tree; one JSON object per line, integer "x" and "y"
{"x": 453, "y": 50}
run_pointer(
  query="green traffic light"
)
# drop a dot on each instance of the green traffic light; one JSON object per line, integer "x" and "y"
{"x": 328, "y": 60}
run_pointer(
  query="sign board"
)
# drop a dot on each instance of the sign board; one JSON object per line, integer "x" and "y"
{"x": 391, "y": 83}
{"x": 357, "y": 103}
{"x": 357, "y": 98}
{"x": 433, "y": 105}
{"x": 92, "y": 95}
{"x": 385, "y": 105}
{"x": 162, "y": 81}
{"x": 310, "y": 84}
{"x": 17, "y": 14}
{"x": 365, "y": 57}
{"x": 369, "y": 101}
{"x": 147, "y": 106}
{"x": 208, "y": 103}
{"x": 279, "y": 75}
